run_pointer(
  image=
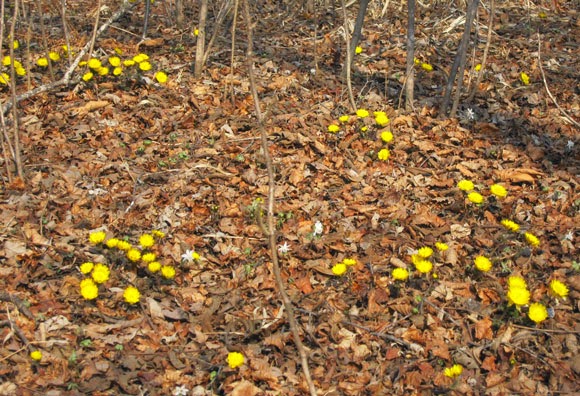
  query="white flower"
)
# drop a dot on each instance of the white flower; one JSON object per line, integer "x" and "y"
{"x": 569, "y": 145}
{"x": 283, "y": 249}
{"x": 190, "y": 255}
{"x": 317, "y": 228}
{"x": 180, "y": 391}
{"x": 470, "y": 114}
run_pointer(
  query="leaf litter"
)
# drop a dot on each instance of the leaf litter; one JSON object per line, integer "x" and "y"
{"x": 183, "y": 159}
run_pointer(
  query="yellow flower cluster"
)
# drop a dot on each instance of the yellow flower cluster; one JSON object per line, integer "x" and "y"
{"x": 100, "y": 273}
{"x": 420, "y": 260}
{"x": 453, "y": 371}
{"x": 96, "y": 66}
{"x": 381, "y": 120}
{"x": 518, "y": 293}
{"x": 18, "y": 68}
{"x": 340, "y": 269}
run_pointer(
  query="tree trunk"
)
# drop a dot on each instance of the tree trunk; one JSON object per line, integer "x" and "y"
{"x": 200, "y": 48}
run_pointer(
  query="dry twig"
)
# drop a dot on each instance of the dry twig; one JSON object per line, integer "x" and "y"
{"x": 570, "y": 119}
{"x": 271, "y": 225}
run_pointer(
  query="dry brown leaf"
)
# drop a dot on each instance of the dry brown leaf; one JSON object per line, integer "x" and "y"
{"x": 90, "y": 106}
{"x": 483, "y": 329}
{"x": 245, "y": 388}
{"x": 518, "y": 175}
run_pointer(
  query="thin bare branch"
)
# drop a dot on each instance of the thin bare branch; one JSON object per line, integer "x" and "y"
{"x": 270, "y": 212}
{"x": 566, "y": 115}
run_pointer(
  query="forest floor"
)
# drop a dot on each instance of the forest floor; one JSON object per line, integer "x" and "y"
{"x": 128, "y": 156}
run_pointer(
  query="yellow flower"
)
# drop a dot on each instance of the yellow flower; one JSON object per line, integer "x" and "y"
{"x": 15, "y": 44}
{"x": 101, "y": 273}
{"x": 558, "y": 288}
{"x": 362, "y": 113}
{"x": 131, "y": 295}
{"x": 154, "y": 266}
{"x": 158, "y": 234}
{"x": 134, "y": 255}
{"x": 532, "y": 239}
{"x": 425, "y": 252}
{"x": 384, "y": 154}
{"x": 128, "y": 62}
{"x": 478, "y": 67}
{"x": 4, "y": 78}
{"x": 20, "y": 71}
{"x": 525, "y": 78}
{"x": 427, "y": 67}
{"x": 148, "y": 257}
{"x": 36, "y": 355}
{"x": 343, "y": 118}
{"x": 482, "y": 263}
{"x": 103, "y": 71}
{"x": 6, "y": 61}
{"x": 97, "y": 237}
{"x": 386, "y": 136}
{"x": 339, "y": 269}
{"x": 381, "y": 120}
{"x": 168, "y": 272}
{"x": 94, "y": 64}
{"x": 64, "y": 48}
{"x": 161, "y": 77}
{"x": 235, "y": 359}
{"x": 498, "y": 190}
{"x": 416, "y": 60}
{"x": 441, "y": 246}
{"x": 140, "y": 58}
{"x": 112, "y": 243}
{"x": 89, "y": 289}
{"x": 54, "y": 56}
{"x": 510, "y": 225}
{"x": 146, "y": 240}
{"x": 474, "y": 197}
{"x": 453, "y": 371}
{"x": 196, "y": 32}
{"x": 145, "y": 66}
{"x": 87, "y": 76}
{"x": 117, "y": 71}
{"x": 400, "y": 274}
{"x": 86, "y": 268}
{"x": 124, "y": 245}
{"x": 118, "y": 51}
{"x": 518, "y": 296}
{"x": 516, "y": 282}
{"x": 333, "y": 128}
{"x": 349, "y": 262}
{"x": 358, "y": 50}
{"x": 423, "y": 266}
{"x": 115, "y": 61}
{"x": 537, "y": 313}
{"x": 465, "y": 185}
{"x": 364, "y": 129}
